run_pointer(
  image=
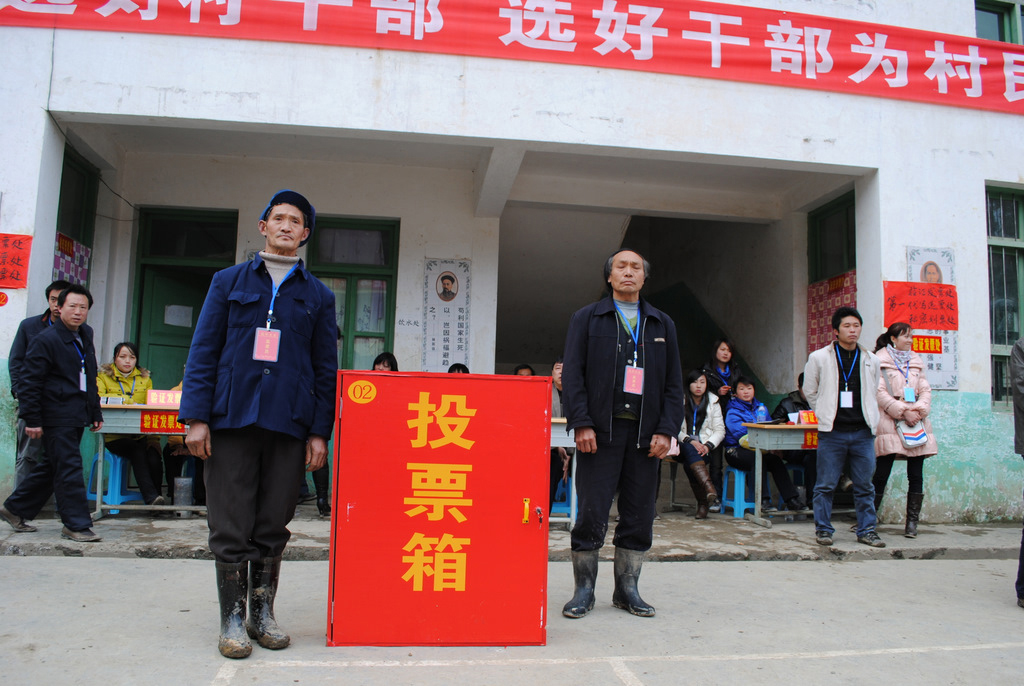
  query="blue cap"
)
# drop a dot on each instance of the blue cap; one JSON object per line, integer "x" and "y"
{"x": 287, "y": 197}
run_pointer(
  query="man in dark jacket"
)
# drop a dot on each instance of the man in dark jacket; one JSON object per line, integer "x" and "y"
{"x": 1017, "y": 382}
{"x": 794, "y": 403}
{"x": 258, "y": 398}
{"x": 30, "y": 450}
{"x": 57, "y": 398}
{"x": 623, "y": 398}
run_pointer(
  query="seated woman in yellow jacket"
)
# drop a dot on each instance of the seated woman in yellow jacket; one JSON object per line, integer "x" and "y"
{"x": 124, "y": 379}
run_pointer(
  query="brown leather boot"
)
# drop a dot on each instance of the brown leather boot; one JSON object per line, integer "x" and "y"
{"x": 700, "y": 473}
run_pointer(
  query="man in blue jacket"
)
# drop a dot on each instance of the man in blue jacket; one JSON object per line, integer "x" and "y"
{"x": 623, "y": 397}
{"x": 57, "y": 399}
{"x": 30, "y": 450}
{"x": 259, "y": 403}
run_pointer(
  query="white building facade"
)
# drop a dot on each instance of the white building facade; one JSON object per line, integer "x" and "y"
{"x": 524, "y": 173}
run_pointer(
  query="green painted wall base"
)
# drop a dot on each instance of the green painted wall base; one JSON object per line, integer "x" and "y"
{"x": 976, "y": 477}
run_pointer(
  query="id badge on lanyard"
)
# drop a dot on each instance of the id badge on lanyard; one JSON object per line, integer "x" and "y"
{"x": 908, "y": 395}
{"x": 267, "y": 344}
{"x": 633, "y": 380}
{"x": 81, "y": 380}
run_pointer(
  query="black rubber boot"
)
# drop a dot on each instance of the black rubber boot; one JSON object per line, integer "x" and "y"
{"x": 232, "y": 584}
{"x": 914, "y": 501}
{"x": 323, "y": 502}
{"x": 261, "y": 625}
{"x": 627, "y": 572}
{"x": 584, "y": 571}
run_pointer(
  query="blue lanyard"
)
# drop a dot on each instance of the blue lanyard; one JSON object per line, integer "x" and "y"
{"x": 634, "y": 332}
{"x": 274, "y": 289}
{"x": 122, "y": 387}
{"x": 81, "y": 353}
{"x": 693, "y": 426}
{"x": 847, "y": 374}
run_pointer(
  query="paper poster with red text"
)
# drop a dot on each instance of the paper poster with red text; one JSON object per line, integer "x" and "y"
{"x": 440, "y": 506}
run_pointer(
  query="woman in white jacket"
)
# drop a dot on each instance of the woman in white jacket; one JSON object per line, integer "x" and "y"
{"x": 702, "y": 431}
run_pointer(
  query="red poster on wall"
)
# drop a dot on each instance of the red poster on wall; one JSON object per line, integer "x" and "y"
{"x": 439, "y": 532}
{"x": 14, "y": 253}
{"x": 922, "y": 305}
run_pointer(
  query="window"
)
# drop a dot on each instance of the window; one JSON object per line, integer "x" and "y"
{"x": 357, "y": 259}
{"x": 76, "y": 208}
{"x": 1000, "y": 21}
{"x": 832, "y": 239}
{"x": 1005, "y": 223}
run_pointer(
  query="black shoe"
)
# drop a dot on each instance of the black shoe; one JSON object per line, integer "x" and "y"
{"x": 871, "y": 539}
{"x": 1020, "y": 602}
{"x": 17, "y": 523}
{"x": 159, "y": 500}
{"x": 795, "y": 504}
{"x": 823, "y": 538}
{"x": 323, "y": 507}
{"x": 83, "y": 536}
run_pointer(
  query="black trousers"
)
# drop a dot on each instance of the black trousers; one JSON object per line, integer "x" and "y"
{"x": 252, "y": 487}
{"x": 617, "y": 464}
{"x": 59, "y": 473}
{"x": 145, "y": 464}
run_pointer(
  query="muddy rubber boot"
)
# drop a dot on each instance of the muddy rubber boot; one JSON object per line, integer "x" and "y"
{"x": 584, "y": 571}
{"x": 627, "y": 572}
{"x": 323, "y": 502}
{"x": 232, "y": 584}
{"x": 261, "y": 625}
{"x": 914, "y": 501}
{"x": 700, "y": 473}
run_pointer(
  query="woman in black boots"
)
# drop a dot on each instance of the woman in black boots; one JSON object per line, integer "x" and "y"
{"x": 904, "y": 395}
{"x": 702, "y": 431}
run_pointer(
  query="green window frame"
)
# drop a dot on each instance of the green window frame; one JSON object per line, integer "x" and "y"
{"x": 999, "y": 20}
{"x": 358, "y": 260}
{"x": 1005, "y": 230}
{"x": 832, "y": 239}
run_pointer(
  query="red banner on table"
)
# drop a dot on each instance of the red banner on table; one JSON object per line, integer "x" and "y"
{"x": 168, "y": 398}
{"x": 15, "y": 249}
{"x": 922, "y": 305}
{"x": 686, "y": 37}
{"x": 160, "y": 422}
{"x": 439, "y": 532}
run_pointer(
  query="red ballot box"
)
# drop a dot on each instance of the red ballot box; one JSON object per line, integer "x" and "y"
{"x": 439, "y": 527}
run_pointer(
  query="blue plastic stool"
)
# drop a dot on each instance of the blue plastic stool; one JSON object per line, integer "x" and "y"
{"x": 561, "y": 504}
{"x": 118, "y": 474}
{"x": 738, "y": 502}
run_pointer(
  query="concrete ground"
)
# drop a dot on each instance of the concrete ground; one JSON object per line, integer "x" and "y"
{"x": 141, "y": 607}
{"x": 134, "y": 621}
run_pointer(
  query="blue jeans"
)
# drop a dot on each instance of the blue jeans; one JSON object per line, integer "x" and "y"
{"x": 836, "y": 448}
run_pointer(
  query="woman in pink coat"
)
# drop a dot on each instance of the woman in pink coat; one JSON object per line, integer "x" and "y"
{"x": 903, "y": 393}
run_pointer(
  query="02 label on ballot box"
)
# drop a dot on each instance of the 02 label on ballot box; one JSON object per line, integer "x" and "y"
{"x": 442, "y": 482}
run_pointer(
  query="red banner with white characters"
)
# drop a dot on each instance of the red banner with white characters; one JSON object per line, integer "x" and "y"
{"x": 439, "y": 530}
{"x": 922, "y": 305}
{"x": 685, "y": 37}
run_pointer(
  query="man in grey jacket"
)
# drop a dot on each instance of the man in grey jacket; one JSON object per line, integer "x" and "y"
{"x": 839, "y": 382}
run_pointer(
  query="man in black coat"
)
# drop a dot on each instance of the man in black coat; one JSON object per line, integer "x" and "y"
{"x": 623, "y": 398}
{"x": 1017, "y": 383}
{"x": 30, "y": 450}
{"x": 57, "y": 398}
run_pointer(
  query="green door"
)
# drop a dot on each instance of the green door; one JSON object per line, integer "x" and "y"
{"x": 171, "y": 299}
